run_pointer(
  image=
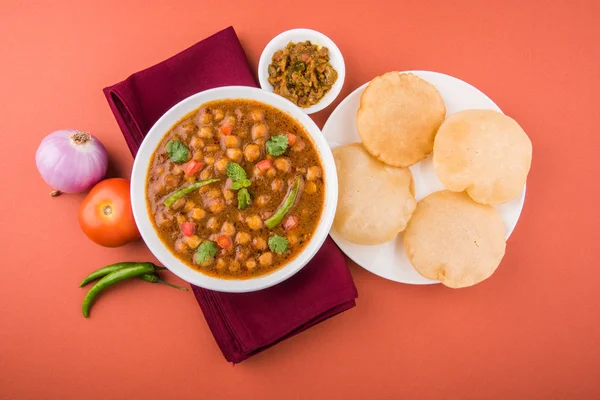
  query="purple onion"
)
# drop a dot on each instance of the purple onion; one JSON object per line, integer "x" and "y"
{"x": 71, "y": 161}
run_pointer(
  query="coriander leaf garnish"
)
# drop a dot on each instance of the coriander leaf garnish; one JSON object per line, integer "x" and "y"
{"x": 277, "y": 145}
{"x": 240, "y": 184}
{"x": 235, "y": 172}
{"x": 278, "y": 244}
{"x": 243, "y": 199}
{"x": 178, "y": 153}
{"x": 205, "y": 252}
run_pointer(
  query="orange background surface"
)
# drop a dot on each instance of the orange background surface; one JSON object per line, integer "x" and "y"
{"x": 531, "y": 331}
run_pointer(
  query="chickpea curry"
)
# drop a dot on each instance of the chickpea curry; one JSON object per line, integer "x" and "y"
{"x": 236, "y": 189}
{"x": 302, "y": 73}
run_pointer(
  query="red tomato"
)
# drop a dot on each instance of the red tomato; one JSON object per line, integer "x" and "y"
{"x": 291, "y": 138}
{"x": 224, "y": 242}
{"x": 290, "y": 223}
{"x": 264, "y": 165}
{"x": 105, "y": 214}
{"x": 188, "y": 228}
{"x": 192, "y": 167}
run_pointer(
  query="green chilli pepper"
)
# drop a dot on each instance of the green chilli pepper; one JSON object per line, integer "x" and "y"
{"x": 176, "y": 195}
{"x": 99, "y": 273}
{"x": 286, "y": 205}
{"x": 153, "y": 278}
{"x": 112, "y": 278}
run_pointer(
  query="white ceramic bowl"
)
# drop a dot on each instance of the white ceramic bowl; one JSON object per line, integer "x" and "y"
{"x": 140, "y": 172}
{"x": 301, "y": 35}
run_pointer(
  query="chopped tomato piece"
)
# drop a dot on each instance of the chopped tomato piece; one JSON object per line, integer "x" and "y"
{"x": 226, "y": 129}
{"x": 224, "y": 241}
{"x": 192, "y": 167}
{"x": 291, "y": 138}
{"x": 188, "y": 228}
{"x": 290, "y": 223}
{"x": 264, "y": 165}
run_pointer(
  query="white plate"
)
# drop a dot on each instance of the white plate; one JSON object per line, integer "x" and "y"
{"x": 388, "y": 260}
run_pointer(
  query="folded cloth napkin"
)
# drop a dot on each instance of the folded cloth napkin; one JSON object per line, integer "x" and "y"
{"x": 243, "y": 324}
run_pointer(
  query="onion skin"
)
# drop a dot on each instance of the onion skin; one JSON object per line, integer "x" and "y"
{"x": 71, "y": 161}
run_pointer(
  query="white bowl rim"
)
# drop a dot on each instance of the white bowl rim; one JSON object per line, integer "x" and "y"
{"x": 139, "y": 177}
{"x": 301, "y": 34}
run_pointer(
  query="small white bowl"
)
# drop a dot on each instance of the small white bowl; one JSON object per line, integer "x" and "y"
{"x": 139, "y": 177}
{"x": 301, "y": 35}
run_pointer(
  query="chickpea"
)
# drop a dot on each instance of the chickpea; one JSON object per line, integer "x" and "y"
{"x": 205, "y": 174}
{"x": 259, "y": 131}
{"x": 197, "y": 155}
{"x": 180, "y": 218}
{"x": 240, "y": 253}
{"x": 212, "y": 224}
{"x": 206, "y": 132}
{"x": 265, "y": 259}
{"x": 231, "y": 141}
{"x": 313, "y": 173}
{"x": 254, "y": 222}
{"x": 228, "y": 195}
{"x": 228, "y": 229}
{"x": 213, "y": 193}
{"x": 226, "y": 252}
{"x": 310, "y": 187}
{"x": 159, "y": 170}
{"x": 198, "y": 214}
{"x": 283, "y": 164}
{"x": 193, "y": 241}
{"x": 209, "y": 160}
{"x": 207, "y": 263}
{"x": 205, "y": 118}
{"x": 241, "y": 237}
{"x": 196, "y": 143}
{"x": 189, "y": 179}
{"x": 252, "y": 152}
{"x": 231, "y": 120}
{"x": 234, "y": 154}
{"x": 257, "y": 115}
{"x": 271, "y": 173}
{"x": 221, "y": 165}
{"x": 181, "y": 247}
{"x": 217, "y": 206}
{"x": 263, "y": 200}
{"x": 179, "y": 203}
{"x": 162, "y": 221}
{"x": 176, "y": 170}
{"x": 299, "y": 145}
{"x": 292, "y": 239}
{"x": 211, "y": 148}
{"x": 218, "y": 114}
{"x": 171, "y": 181}
{"x": 188, "y": 127}
{"x": 259, "y": 243}
{"x": 276, "y": 185}
{"x": 234, "y": 266}
{"x": 189, "y": 206}
{"x": 250, "y": 264}
{"x": 220, "y": 264}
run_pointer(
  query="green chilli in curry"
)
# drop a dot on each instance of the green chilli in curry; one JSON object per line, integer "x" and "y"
{"x": 236, "y": 189}
{"x": 302, "y": 73}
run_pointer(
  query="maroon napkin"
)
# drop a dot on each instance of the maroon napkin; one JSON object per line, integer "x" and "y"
{"x": 243, "y": 324}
